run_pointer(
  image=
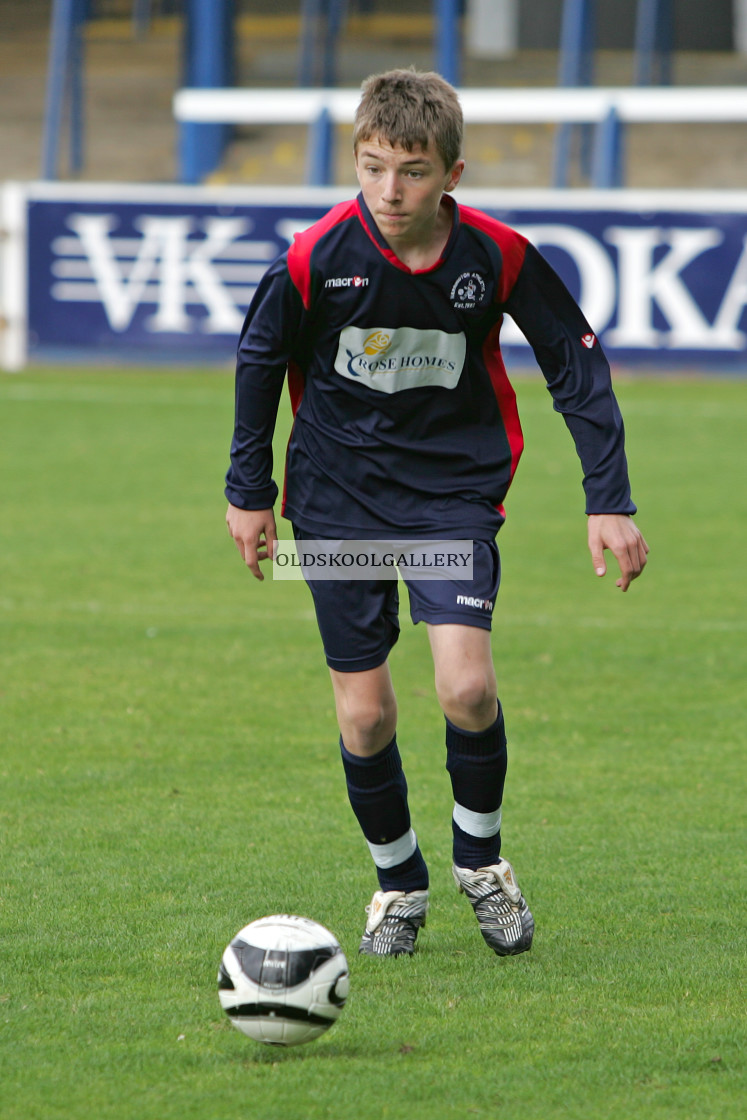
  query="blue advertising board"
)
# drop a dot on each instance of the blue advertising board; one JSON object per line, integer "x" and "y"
{"x": 143, "y": 273}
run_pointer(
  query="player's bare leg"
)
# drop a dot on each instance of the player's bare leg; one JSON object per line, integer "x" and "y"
{"x": 476, "y": 759}
{"x": 366, "y": 709}
{"x": 367, "y": 717}
{"x": 465, "y": 677}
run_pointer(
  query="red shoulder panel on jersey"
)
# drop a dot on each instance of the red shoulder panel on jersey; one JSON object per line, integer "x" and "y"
{"x": 299, "y": 254}
{"x": 511, "y": 244}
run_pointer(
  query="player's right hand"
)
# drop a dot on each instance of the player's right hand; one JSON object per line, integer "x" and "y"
{"x": 255, "y": 533}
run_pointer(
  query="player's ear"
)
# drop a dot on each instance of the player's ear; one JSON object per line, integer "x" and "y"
{"x": 454, "y": 175}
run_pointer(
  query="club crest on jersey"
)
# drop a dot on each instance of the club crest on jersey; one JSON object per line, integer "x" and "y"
{"x": 392, "y": 359}
{"x": 468, "y": 291}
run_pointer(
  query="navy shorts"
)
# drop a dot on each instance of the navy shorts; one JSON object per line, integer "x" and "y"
{"x": 359, "y": 619}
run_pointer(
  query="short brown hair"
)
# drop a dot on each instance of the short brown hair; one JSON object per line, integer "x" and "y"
{"x": 411, "y": 108}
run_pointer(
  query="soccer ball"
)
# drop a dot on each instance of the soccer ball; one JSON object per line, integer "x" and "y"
{"x": 283, "y": 980}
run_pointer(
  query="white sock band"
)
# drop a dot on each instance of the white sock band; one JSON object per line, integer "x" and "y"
{"x": 390, "y": 855}
{"x": 481, "y": 825}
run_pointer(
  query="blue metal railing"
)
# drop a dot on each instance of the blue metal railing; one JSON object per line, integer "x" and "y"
{"x": 575, "y": 68}
{"x": 208, "y": 62}
{"x": 653, "y": 43}
{"x": 448, "y": 45}
{"x": 601, "y": 153}
{"x": 64, "y": 91}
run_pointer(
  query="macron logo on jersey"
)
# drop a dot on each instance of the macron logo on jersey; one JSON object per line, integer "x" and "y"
{"x": 588, "y": 340}
{"x": 346, "y": 282}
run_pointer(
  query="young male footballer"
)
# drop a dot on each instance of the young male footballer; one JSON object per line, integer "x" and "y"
{"x": 419, "y": 444}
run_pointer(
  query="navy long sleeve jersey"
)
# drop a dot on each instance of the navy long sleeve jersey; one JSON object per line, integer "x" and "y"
{"x": 404, "y": 419}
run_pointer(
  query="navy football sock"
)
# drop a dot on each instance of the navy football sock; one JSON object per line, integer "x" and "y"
{"x": 378, "y": 795}
{"x": 476, "y": 761}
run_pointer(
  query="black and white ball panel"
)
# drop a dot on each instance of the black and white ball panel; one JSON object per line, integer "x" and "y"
{"x": 283, "y": 980}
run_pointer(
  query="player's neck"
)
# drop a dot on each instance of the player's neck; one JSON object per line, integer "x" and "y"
{"x": 425, "y": 247}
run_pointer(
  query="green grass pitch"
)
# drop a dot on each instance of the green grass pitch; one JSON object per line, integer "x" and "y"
{"x": 169, "y": 771}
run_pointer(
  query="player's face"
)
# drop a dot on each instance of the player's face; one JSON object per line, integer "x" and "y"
{"x": 403, "y": 189}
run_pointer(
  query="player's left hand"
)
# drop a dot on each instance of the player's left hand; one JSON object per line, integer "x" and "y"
{"x": 620, "y": 534}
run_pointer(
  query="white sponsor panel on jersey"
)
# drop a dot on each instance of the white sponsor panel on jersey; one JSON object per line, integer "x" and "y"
{"x": 390, "y": 359}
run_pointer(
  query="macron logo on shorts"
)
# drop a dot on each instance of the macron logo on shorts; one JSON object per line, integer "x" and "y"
{"x": 470, "y": 601}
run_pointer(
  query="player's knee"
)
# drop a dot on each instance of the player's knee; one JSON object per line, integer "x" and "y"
{"x": 468, "y": 698}
{"x": 370, "y": 718}
{"x": 367, "y": 723}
